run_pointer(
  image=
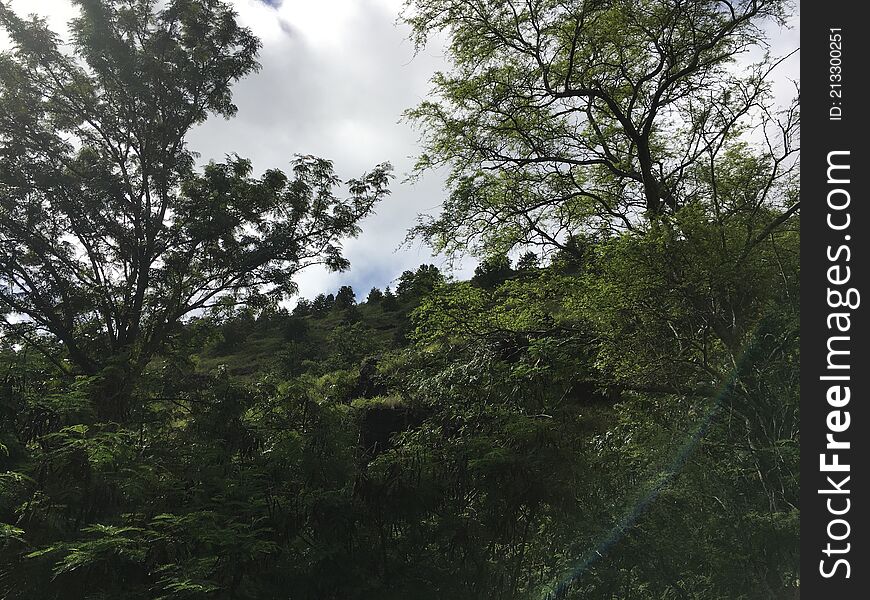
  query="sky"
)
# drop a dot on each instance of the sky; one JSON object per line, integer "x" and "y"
{"x": 336, "y": 77}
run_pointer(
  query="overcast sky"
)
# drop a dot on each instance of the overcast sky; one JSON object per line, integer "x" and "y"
{"x": 336, "y": 76}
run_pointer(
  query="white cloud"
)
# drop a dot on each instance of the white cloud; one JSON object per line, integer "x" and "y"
{"x": 56, "y": 12}
{"x": 336, "y": 77}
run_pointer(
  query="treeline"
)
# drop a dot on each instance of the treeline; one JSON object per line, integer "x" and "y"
{"x": 412, "y": 285}
{"x": 333, "y": 328}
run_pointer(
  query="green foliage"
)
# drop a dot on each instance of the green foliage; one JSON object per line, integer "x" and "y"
{"x": 353, "y": 342}
{"x": 322, "y": 304}
{"x": 561, "y": 117}
{"x": 390, "y": 302}
{"x": 345, "y": 298}
{"x": 111, "y": 237}
{"x": 492, "y": 271}
{"x": 618, "y": 417}
{"x": 504, "y": 444}
{"x": 528, "y": 262}
{"x": 414, "y": 285}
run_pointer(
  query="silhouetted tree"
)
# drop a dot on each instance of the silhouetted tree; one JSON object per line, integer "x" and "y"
{"x": 416, "y": 284}
{"x": 529, "y": 261}
{"x": 109, "y": 234}
{"x": 492, "y": 271}
{"x": 345, "y": 297}
{"x": 390, "y": 302}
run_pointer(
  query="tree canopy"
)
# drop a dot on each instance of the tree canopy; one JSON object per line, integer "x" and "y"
{"x": 556, "y": 117}
{"x": 110, "y": 236}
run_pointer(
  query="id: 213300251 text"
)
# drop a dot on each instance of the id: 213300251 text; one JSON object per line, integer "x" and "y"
{"x": 835, "y": 73}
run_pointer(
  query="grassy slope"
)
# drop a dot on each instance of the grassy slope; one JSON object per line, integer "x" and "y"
{"x": 261, "y": 350}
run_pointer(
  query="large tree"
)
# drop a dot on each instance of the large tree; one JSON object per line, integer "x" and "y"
{"x": 109, "y": 235}
{"x": 560, "y": 116}
{"x": 637, "y": 141}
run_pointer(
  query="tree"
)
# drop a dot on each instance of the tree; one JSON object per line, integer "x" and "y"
{"x": 109, "y": 236}
{"x": 375, "y": 296}
{"x": 389, "y": 303}
{"x": 557, "y": 117}
{"x": 622, "y": 140}
{"x": 492, "y": 271}
{"x": 529, "y": 261}
{"x": 573, "y": 253}
{"x": 416, "y": 284}
{"x": 322, "y": 304}
{"x": 302, "y": 308}
{"x": 350, "y": 343}
{"x": 345, "y": 298}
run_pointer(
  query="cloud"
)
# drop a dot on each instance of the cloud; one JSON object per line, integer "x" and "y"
{"x": 335, "y": 81}
{"x": 336, "y": 78}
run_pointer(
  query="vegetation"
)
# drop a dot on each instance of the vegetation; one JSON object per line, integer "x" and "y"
{"x": 614, "y": 414}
